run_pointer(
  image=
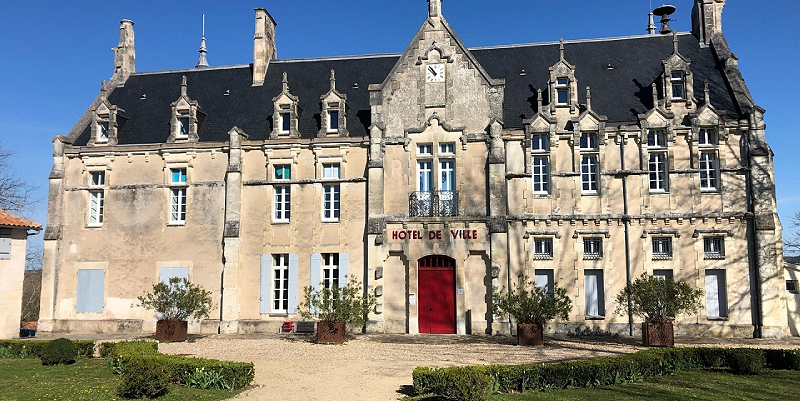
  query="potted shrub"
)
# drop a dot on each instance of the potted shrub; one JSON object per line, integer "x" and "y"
{"x": 658, "y": 301}
{"x": 174, "y": 303}
{"x": 532, "y": 307}
{"x": 336, "y": 307}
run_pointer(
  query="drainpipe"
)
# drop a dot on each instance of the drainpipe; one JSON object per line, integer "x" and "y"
{"x": 626, "y": 222}
{"x": 752, "y": 240}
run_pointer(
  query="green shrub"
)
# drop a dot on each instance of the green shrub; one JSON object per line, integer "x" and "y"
{"x": 121, "y": 352}
{"x": 6, "y": 353}
{"x": 782, "y": 359}
{"x": 746, "y": 361}
{"x": 143, "y": 378}
{"x": 424, "y": 379}
{"x": 33, "y": 348}
{"x": 464, "y": 384}
{"x": 59, "y": 351}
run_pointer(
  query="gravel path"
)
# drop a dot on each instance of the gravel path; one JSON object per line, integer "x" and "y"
{"x": 370, "y": 367}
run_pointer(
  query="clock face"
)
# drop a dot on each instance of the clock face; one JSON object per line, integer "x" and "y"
{"x": 435, "y": 73}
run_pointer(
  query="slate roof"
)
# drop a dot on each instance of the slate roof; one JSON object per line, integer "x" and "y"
{"x": 619, "y": 93}
{"x": 9, "y": 220}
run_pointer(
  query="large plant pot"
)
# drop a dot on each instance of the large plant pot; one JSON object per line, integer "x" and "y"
{"x": 530, "y": 334}
{"x": 329, "y": 332}
{"x": 172, "y": 330}
{"x": 658, "y": 334}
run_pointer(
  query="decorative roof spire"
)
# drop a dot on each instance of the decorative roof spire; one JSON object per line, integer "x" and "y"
{"x": 202, "y": 62}
{"x": 183, "y": 85}
{"x": 333, "y": 80}
{"x": 561, "y": 48}
{"x": 655, "y": 95}
{"x": 285, "y": 82}
{"x": 706, "y": 93}
{"x": 434, "y": 8}
{"x": 539, "y": 99}
{"x": 674, "y": 42}
{"x": 103, "y": 89}
{"x": 588, "y": 98}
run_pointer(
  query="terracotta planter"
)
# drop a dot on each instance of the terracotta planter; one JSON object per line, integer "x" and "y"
{"x": 172, "y": 330}
{"x": 530, "y": 334}
{"x": 329, "y": 332}
{"x": 658, "y": 334}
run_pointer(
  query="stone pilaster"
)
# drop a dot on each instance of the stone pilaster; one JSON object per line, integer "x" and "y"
{"x": 232, "y": 241}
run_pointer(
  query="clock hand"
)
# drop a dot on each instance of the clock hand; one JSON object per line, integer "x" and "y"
{"x": 432, "y": 71}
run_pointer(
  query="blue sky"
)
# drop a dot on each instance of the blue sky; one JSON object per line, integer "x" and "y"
{"x": 55, "y": 53}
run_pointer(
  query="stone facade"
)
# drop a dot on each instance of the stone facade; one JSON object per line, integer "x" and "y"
{"x": 422, "y": 181}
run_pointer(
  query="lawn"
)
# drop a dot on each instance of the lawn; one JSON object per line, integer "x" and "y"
{"x": 87, "y": 379}
{"x": 699, "y": 385}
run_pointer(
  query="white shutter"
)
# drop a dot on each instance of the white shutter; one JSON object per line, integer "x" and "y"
{"x": 293, "y": 283}
{"x": 344, "y": 262}
{"x": 5, "y": 244}
{"x": 170, "y": 272}
{"x": 266, "y": 279}
{"x": 316, "y": 263}
{"x": 715, "y": 295}
{"x": 590, "y": 288}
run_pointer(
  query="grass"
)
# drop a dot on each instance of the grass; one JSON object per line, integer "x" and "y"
{"x": 701, "y": 385}
{"x": 86, "y": 380}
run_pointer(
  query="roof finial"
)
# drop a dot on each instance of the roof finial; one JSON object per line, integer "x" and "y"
{"x": 103, "y": 89}
{"x": 539, "y": 99}
{"x": 202, "y": 61}
{"x": 183, "y": 85}
{"x": 706, "y": 93}
{"x": 285, "y": 82}
{"x": 675, "y": 42}
{"x": 651, "y": 26}
{"x": 588, "y": 98}
{"x": 655, "y": 95}
{"x": 434, "y": 8}
{"x": 561, "y": 48}
{"x": 333, "y": 80}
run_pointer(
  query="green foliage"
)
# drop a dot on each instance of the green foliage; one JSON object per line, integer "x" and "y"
{"x": 746, "y": 361}
{"x": 605, "y": 371}
{"x": 527, "y": 303}
{"x": 121, "y": 352}
{"x": 658, "y": 300}
{"x": 464, "y": 384}
{"x": 5, "y": 353}
{"x": 346, "y": 304}
{"x": 205, "y": 379}
{"x": 178, "y": 300}
{"x": 33, "y": 348}
{"x": 143, "y": 379}
{"x": 59, "y": 351}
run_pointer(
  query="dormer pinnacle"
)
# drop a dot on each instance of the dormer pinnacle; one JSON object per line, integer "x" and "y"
{"x": 202, "y": 61}
{"x": 561, "y": 49}
{"x": 333, "y": 80}
{"x": 538, "y": 99}
{"x": 674, "y": 42}
{"x": 588, "y": 99}
{"x": 706, "y": 94}
{"x": 655, "y": 95}
{"x": 285, "y": 82}
{"x": 183, "y": 85}
{"x": 103, "y": 90}
{"x": 434, "y": 8}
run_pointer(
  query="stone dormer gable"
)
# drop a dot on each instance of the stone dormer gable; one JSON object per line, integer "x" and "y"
{"x": 107, "y": 121}
{"x": 589, "y": 120}
{"x": 333, "y": 119}
{"x": 677, "y": 80}
{"x": 186, "y": 117}
{"x": 656, "y": 118}
{"x": 563, "y": 86}
{"x": 709, "y": 118}
{"x": 285, "y": 115}
{"x": 541, "y": 123}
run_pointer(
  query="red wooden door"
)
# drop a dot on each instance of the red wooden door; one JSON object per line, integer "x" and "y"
{"x": 437, "y": 295}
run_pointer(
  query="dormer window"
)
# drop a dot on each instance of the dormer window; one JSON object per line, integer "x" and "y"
{"x": 333, "y": 120}
{"x": 183, "y": 127}
{"x": 334, "y": 111}
{"x": 678, "y": 81}
{"x": 707, "y": 137}
{"x": 186, "y": 117}
{"x": 588, "y": 141}
{"x": 102, "y": 135}
{"x": 562, "y": 91}
{"x": 540, "y": 143}
{"x": 656, "y": 139}
{"x": 286, "y": 119}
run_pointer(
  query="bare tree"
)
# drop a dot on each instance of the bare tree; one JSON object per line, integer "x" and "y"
{"x": 16, "y": 195}
{"x": 791, "y": 242}
{"x": 34, "y": 257}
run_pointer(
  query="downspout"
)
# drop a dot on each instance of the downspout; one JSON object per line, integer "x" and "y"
{"x": 752, "y": 239}
{"x": 626, "y": 222}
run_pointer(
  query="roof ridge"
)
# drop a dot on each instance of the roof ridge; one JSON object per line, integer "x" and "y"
{"x": 592, "y": 40}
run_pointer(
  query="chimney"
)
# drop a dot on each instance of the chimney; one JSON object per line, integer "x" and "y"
{"x": 707, "y": 19}
{"x": 264, "y": 48}
{"x": 124, "y": 54}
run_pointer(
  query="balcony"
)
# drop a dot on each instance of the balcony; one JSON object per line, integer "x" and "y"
{"x": 433, "y": 204}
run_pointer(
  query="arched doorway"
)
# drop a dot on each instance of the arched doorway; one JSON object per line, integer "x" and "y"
{"x": 437, "y": 294}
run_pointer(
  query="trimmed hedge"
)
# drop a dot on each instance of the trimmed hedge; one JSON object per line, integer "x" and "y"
{"x": 59, "y": 351}
{"x": 33, "y": 348}
{"x": 609, "y": 370}
{"x": 141, "y": 379}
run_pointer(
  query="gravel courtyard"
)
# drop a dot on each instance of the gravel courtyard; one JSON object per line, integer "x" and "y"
{"x": 371, "y": 367}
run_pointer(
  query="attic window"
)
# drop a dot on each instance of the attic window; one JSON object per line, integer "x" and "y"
{"x": 103, "y": 132}
{"x": 656, "y": 139}
{"x": 286, "y": 123}
{"x": 562, "y": 91}
{"x": 333, "y": 118}
{"x": 678, "y": 81}
{"x": 707, "y": 137}
{"x": 183, "y": 127}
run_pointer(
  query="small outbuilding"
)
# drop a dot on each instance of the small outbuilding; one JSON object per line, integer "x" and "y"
{"x": 14, "y": 232}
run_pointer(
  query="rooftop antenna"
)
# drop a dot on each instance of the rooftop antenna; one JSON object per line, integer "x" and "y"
{"x": 664, "y": 11}
{"x": 651, "y": 26}
{"x": 202, "y": 62}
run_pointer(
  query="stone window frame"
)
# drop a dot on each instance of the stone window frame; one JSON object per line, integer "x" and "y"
{"x": 285, "y": 104}
{"x": 285, "y": 188}
{"x": 186, "y": 114}
{"x": 108, "y": 116}
{"x": 174, "y": 187}
{"x": 664, "y": 251}
{"x": 435, "y": 157}
{"x": 284, "y": 281}
{"x": 333, "y": 184}
{"x": 561, "y": 70}
{"x": 659, "y": 149}
{"x": 590, "y": 152}
{"x": 717, "y": 187}
{"x": 664, "y": 125}
{"x": 95, "y": 189}
{"x": 552, "y": 235}
{"x": 722, "y": 293}
{"x": 333, "y": 101}
{"x": 327, "y": 265}
{"x": 677, "y": 63}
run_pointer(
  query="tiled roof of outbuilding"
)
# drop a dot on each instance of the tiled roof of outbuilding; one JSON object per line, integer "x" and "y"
{"x": 9, "y": 220}
{"x": 620, "y": 93}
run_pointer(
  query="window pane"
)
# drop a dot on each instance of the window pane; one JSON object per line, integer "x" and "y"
{"x": 540, "y": 142}
{"x": 447, "y": 169}
{"x": 593, "y": 289}
{"x": 541, "y": 175}
{"x": 330, "y": 170}
{"x": 333, "y": 120}
{"x": 544, "y": 279}
{"x": 179, "y": 175}
{"x": 447, "y": 148}
{"x": 425, "y": 177}
{"x": 283, "y": 172}
{"x": 563, "y": 96}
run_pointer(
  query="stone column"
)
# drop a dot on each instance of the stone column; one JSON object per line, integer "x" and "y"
{"x": 232, "y": 241}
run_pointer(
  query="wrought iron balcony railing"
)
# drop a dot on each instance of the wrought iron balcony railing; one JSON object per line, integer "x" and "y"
{"x": 433, "y": 203}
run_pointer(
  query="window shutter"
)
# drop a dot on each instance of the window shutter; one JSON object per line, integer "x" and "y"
{"x": 293, "y": 283}
{"x": 712, "y": 294}
{"x": 316, "y": 263}
{"x": 170, "y": 272}
{"x": 266, "y": 279}
{"x": 5, "y": 244}
{"x": 344, "y": 261}
{"x": 84, "y": 286}
{"x": 590, "y": 288}
{"x": 544, "y": 279}
{"x": 90, "y": 291}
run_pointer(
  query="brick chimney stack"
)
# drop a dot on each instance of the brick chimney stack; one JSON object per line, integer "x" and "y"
{"x": 264, "y": 48}
{"x": 707, "y": 19}
{"x": 124, "y": 54}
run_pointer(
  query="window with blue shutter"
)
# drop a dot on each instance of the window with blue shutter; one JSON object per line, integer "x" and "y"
{"x": 91, "y": 284}
{"x": 344, "y": 261}
{"x": 266, "y": 278}
{"x": 293, "y": 283}
{"x": 316, "y": 265}
{"x": 170, "y": 272}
